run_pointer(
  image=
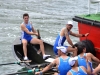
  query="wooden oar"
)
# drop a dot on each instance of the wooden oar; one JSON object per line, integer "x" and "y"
{"x": 16, "y": 62}
{"x": 40, "y": 65}
{"x": 39, "y": 37}
{"x": 33, "y": 71}
{"x": 28, "y": 71}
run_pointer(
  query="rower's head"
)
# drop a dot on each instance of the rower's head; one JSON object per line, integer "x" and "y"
{"x": 81, "y": 48}
{"x": 69, "y": 25}
{"x": 26, "y": 17}
{"x": 73, "y": 61}
{"x": 61, "y": 50}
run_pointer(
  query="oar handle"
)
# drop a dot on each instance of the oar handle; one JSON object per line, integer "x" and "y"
{"x": 38, "y": 34}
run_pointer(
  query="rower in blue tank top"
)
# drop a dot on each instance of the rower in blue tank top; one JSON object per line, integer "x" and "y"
{"x": 64, "y": 35}
{"x": 78, "y": 70}
{"x": 27, "y": 31}
{"x": 62, "y": 64}
{"x": 83, "y": 55}
{"x": 82, "y": 62}
{"x": 59, "y": 42}
{"x": 26, "y": 36}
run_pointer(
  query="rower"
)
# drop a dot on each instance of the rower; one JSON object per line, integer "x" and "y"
{"x": 82, "y": 55}
{"x": 27, "y": 31}
{"x": 78, "y": 70}
{"x": 61, "y": 63}
{"x": 64, "y": 35}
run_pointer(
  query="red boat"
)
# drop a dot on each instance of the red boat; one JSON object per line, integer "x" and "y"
{"x": 90, "y": 24}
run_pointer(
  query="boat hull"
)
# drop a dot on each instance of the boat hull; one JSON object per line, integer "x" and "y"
{"x": 31, "y": 52}
{"x": 93, "y": 28}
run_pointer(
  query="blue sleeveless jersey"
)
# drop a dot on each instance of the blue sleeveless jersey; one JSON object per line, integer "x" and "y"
{"x": 59, "y": 42}
{"x": 63, "y": 66}
{"x": 80, "y": 72}
{"x": 25, "y": 35}
{"x": 82, "y": 62}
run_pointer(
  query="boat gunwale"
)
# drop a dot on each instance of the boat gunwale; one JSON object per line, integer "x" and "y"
{"x": 86, "y": 21}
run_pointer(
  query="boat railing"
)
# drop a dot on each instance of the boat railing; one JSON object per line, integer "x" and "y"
{"x": 93, "y": 1}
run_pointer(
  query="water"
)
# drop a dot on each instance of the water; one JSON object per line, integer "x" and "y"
{"x": 49, "y": 16}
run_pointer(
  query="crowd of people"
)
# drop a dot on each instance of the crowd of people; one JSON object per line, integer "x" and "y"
{"x": 77, "y": 64}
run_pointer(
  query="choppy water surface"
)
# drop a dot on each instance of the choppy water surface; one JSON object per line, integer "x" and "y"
{"x": 49, "y": 16}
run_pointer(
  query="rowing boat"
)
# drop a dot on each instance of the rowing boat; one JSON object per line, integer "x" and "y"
{"x": 32, "y": 53}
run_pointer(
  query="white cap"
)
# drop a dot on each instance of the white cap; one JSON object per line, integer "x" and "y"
{"x": 72, "y": 60}
{"x": 62, "y": 48}
{"x": 70, "y": 22}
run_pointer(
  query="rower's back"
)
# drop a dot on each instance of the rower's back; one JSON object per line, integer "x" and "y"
{"x": 64, "y": 66}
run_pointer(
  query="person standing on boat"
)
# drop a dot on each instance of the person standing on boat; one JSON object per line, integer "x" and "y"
{"x": 78, "y": 70}
{"x": 27, "y": 31}
{"x": 82, "y": 53}
{"x": 64, "y": 35}
{"x": 61, "y": 63}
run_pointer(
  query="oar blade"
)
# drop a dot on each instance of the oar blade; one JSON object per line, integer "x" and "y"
{"x": 18, "y": 73}
{"x": 7, "y": 64}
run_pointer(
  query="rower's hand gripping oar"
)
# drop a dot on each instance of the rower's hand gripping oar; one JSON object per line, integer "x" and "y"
{"x": 16, "y": 62}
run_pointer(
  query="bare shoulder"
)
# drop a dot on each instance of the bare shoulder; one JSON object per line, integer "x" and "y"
{"x": 63, "y": 29}
{"x": 62, "y": 32}
{"x": 89, "y": 54}
{"x": 22, "y": 25}
{"x": 57, "y": 59}
{"x": 69, "y": 73}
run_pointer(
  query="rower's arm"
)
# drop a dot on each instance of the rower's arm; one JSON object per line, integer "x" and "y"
{"x": 88, "y": 70}
{"x": 23, "y": 28}
{"x": 49, "y": 66}
{"x": 96, "y": 70}
{"x": 74, "y": 34}
{"x": 33, "y": 30}
{"x": 94, "y": 58}
{"x": 68, "y": 39}
{"x": 78, "y": 35}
